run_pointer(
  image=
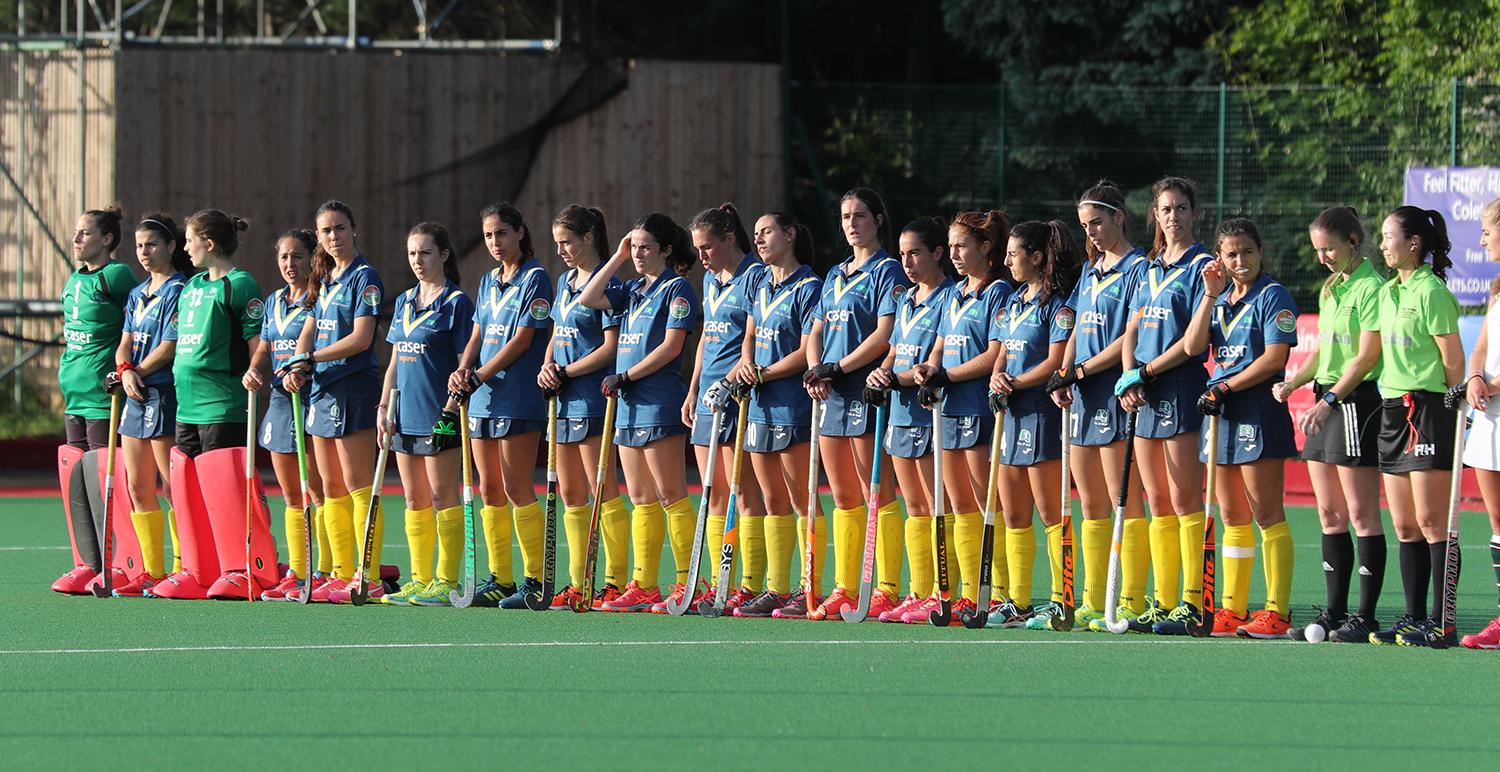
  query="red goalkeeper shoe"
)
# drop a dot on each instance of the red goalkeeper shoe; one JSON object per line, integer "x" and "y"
{"x": 74, "y": 582}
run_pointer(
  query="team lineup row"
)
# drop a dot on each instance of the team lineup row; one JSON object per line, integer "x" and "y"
{"x": 992, "y": 361}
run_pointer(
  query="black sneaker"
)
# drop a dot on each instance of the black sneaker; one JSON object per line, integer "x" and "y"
{"x": 1146, "y": 622}
{"x": 1389, "y": 636}
{"x": 490, "y": 592}
{"x": 795, "y": 608}
{"x": 761, "y": 606}
{"x": 1326, "y": 620}
{"x": 1356, "y": 629}
{"x": 1429, "y": 633}
{"x": 517, "y": 598}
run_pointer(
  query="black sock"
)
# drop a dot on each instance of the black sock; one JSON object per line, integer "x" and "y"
{"x": 1495, "y": 558}
{"x": 1371, "y": 572}
{"x": 1338, "y": 559}
{"x": 1439, "y": 553}
{"x": 1416, "y": 572}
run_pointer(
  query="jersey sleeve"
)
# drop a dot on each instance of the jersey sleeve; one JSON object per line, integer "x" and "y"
{"x": 1367, "y": 309}
{"x": 1195, "y": 279}
{"x": 536, "y": 301}
{"x": 890, "y": 285}
{"x": 397, "y": 310}
{"x": 805, "y": 305}
{"x": 246, "y": 305}
{"x": 1440, "y": 309}
{"x": 681, "y": 306}
{"x": 119, "y": 282}
{"x": 265, "y": 319}
{"x": 169, "y": 314}
{"x": 368, "y": 292}
{"x": 618, "y": 298}
{"x": 463, "y": 322}
{"x": 1063, "y": 321}
{"x": 1279, "y": 319}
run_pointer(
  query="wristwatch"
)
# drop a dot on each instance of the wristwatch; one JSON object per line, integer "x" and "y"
{"x": 1331, "y": 397}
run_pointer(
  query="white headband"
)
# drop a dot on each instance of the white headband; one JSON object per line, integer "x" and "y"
{"x": 1110, "y": 207}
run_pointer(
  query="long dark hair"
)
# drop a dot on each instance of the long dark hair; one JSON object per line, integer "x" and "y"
{"x": 509, "y": 215}
{"x": 322, "y": 262}
{"x": 876, "y": 205}
{"x": 1182, "y": 185}
{"x": 994, "y": 227}
{"x": 722, "y": 221}
{"x": 1427, "y": 226}
{"x": 1104, "y": 195}
{"x": 440, "y": 238}
{"x": 107, "y": 220}
{"x": 802, "y": 240}
{"x": 309, "y": 242}
{"x": 162, "y": 224}
{"x": 933, "y": 235}
{"x": 669, "y": 234}
{"x": 585, "y": 220}
{"x": 1061, "y": 260}
{"x": 222, "y": 228}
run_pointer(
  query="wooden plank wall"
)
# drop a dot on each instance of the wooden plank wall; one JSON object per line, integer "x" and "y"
{"x": 270, "y": 134}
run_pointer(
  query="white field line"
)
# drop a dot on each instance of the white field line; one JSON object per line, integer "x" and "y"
{"x": 1112, "y": 641}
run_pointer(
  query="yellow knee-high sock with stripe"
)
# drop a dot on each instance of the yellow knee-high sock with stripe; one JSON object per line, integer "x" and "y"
{"x": 780, "y": 532}
{"x": 1054, "y": 560}
{"x": 450, "y": 543}
{"x": 1166, "y": 558}
{"x": 1237, "y": 560}
{"x": 615, "y": 533}
{"x": 848, "y": 547}
{"x": 362, "y": 499}
{"x": 1135, "y": 563}
{"x": 497, "y": 542}
{"x": 752, "y": 553}
{"x": 296, "y": 549}
{"x": 888, "y": 548}
{"x": 1276, "y": 540}
{"x": 529, "y": 525}
{"x": 968, "y": 543}
{"x": 148, "y": 533}
{"x": 1190, "y": 541}
{"x": 421, "y": 537}
{"x": 1094, "y": 541}
{"x": 171, "y": 518}
{"x": 648, "y": 528}
{"x": 713, "y": 544}
{"x": 340, "y": 528}
{"x": 320, "y": 535}
{"x": 576, "y": 530}
{"x": 820, "y": 551}
{"x": 681, "y": 519}
{"x": 919, "y": 555}
{"x": 1020, "y": 553}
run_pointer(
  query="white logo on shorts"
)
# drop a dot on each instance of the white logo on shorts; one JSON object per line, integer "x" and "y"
{"x": 1023, "y": 441}
{"x": 1101, "y": 418}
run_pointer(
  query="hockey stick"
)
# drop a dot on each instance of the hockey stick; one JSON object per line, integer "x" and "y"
{"x": 1112, "y": 583}
{"x": 809, "y": 562}
{"x": 307, "y": 515}
{"x": 715, "y": 607}
{"x": 106, "y": 585}
{"x": 542, "y": 601}
{"x": 941, "y": 616}
{"x": 679, "y": 606}
{"x": 1205, "y": 624}
{"x": 463, "y": 597}
{"x": 250, "y": 423}
{"x": 585, "y": 600}
{"x": 1448, "y": 625}
{"x": 1064, "y": 622}
{"x": 872, "y": 522}
{"x": 977, "y": 618}
{"x": 359, "y": 594}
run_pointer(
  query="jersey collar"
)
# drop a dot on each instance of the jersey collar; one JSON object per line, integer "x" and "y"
{"x": 521, "y": 272}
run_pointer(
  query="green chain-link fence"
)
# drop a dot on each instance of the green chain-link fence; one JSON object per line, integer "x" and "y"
{"x": 1277, "y": 155}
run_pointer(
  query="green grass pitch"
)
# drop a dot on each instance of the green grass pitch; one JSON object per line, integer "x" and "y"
{"x": 158, "y": 684}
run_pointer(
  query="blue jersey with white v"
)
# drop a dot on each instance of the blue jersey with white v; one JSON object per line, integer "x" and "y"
{"x": 1026, "y": 330}
{"x": 426, "y": 341}
{"x": 502, "y": 308}
{"x": 151, "y": 320}
{"x": 577, "y": 332}
{"x": 1101, "y": 300}
{"x": 352, "y": 294}
{"x": 967, "y": 320}
{"x": 725, "y": 306}
{"x": 1241, "y": 329}
{"x": 853, "y": 301}
{"x": 913, "y": 338}
{"x": 647, "y": 313}
{"x": 783, "y": 314}
{"x": 1164, "y": 301}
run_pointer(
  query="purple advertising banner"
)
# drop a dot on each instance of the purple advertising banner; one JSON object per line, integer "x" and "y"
{"x": 1459, "y": 193}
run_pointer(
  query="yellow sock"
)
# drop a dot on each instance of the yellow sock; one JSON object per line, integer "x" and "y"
{"x": 421, "y": 537}
{"x": 1054, "y": 560}
{"x": 780, "y": 540}
{"x": 968, "y": 543}
{"x": 148, "y": 533}
{"x": 1239, "y": 555}
{"x": 340, "y": 529}
{"x": 171, "y": 518}
{"x": 889, "y": 538}
{"x": 1020, "y": 553}
{"x": 1166, "y": 559}
{"x": 497, "y": 542}
{"x": 529, "y": 526}
{"x": 362, "y": 498}
{"x": 450, "y": 543}
{"x": 681, "y": 519}
{"x": 1094, "y": 543}
{"x": 713, "y": 544}
{"x": 752, "y": 552}
{"x": 576, "y": 530}
{"x": 848, "y": 547}
{"x": 296, "y": 549}
{"x": 1135, "y": 563}
{"x": 614, "y": 532}
{"x": 820, "y": 552}
{"x": 647, "y": 529}
{"x": 1276, "y": 540}
{"x": 320, "y": 534}
{"x": 1190, "y": 541}
{"x": 919, "y": 554}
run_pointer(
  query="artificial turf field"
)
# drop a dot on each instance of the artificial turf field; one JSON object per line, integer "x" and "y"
{"x": 92, "y": 684}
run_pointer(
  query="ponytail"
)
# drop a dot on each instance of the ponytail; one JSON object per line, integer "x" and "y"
{"x": 670, "y": 236}
{"x": 1343, "y": 222}
{"x": 994, "y": 227}
{"x": 585, "y": 221}
{"x": 162, "y": 224}
{"x": 1429, "y": 228}
{"x": 1182, "y": 185}
{"x": 1061, "y": 261}
{"x": 1108, "y": 196}
{"x": 722, "y": 221}
{"x": 107, "y": 220}
{"x": 802, "y": 240}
